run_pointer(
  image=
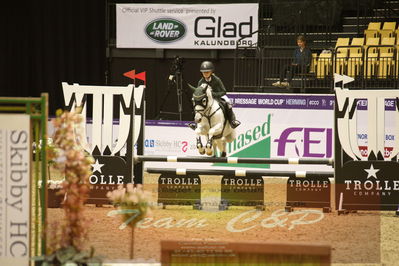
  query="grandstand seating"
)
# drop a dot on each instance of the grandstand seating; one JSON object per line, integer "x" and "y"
{"x": 397, "y": 55}
{"x": 371, "y": 57}
{"x": 355, "y": 60}
{"x": 324, "y": 60}
{"x": 386, "y": 61}
{"x": 388, "y": 30}
{"x": 323, "y": 64}
{"x": 313, "y": 65}
{"x": 379, "y": 58}
{"x": 366, "y": 49}
{"x": 341, "y": 55}
{"x": 372, "y": 30}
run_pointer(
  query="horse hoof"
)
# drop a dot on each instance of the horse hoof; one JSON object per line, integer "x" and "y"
{"x": 223, "y": 154}
{"x": 201, "y": 151}
{"x": 209, "y": 153}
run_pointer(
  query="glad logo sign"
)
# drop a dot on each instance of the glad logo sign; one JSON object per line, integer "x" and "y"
{"x": 165, "y": 30}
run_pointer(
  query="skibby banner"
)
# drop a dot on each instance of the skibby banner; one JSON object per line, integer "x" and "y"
{"x": 170, "y": 26}
{"x": 15, "y": 189}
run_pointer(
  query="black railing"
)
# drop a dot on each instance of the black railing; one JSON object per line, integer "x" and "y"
{"x": 281, "y": 21}
{"x": 247, "y": 64}
{"x": 381, "y": 69}
{"x": 370, "y": 68}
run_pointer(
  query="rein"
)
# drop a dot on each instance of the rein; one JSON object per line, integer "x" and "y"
{"x": 206, "y": 110}
{"x": 209, "y": 119}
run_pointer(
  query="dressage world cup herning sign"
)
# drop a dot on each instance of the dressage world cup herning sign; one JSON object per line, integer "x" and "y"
{"x": 112, "y": 153}
{"x": 366, "y": 183}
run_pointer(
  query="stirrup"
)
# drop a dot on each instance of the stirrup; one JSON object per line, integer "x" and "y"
{"x": 235, "y": 123}
{"x": 192, "y": 125}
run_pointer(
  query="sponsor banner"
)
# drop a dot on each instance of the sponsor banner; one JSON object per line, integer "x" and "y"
{"x": 273, "y": 125}
{"x": 287, "y": 126}
{"x": 171, "y": 26}
{"x": 366, "y": 179}
{"x": 15, "y": 154}
{"x": 283, "y": 101}
{"x": 362, "y": 127}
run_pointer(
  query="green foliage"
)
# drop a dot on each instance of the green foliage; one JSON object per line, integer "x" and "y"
{"x": 66, "y": 246}
{"x": 69, "y": 256}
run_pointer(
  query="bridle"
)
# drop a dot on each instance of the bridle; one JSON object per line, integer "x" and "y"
{"x": 202, "y": 100}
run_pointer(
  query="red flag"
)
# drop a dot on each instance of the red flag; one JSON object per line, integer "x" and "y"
{"x": 140, "y": 76}
{"x": 130, "y": 74}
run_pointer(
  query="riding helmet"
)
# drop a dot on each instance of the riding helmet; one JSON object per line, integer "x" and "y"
{"x": 207, "y": 66}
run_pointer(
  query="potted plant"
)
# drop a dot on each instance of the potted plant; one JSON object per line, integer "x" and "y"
{"x": 65, "y": 241}
{"x": 133, "y": 203}
{"x": 54, "y": 195}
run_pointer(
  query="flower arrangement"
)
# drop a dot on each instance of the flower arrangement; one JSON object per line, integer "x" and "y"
{"x": 67, "y": 244}
{"x": 134, "y": 203}
{"x": 52, "y": 184}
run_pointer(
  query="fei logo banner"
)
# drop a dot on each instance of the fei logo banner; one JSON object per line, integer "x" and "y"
{"x": 171, "y": 26}
{"x": 299, "y": 125}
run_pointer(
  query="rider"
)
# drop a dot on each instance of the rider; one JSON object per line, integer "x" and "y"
{"x": 218, "y": 91}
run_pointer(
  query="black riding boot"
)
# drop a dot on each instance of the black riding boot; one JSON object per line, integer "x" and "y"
{"x": 232, "y": 117}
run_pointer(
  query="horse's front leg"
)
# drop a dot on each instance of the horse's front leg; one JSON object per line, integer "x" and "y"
{"x": 209, "y": 147}
{"x": 215, "y": 130}
{"x": 200, "y": 147}
{"x": 200, "y": 130}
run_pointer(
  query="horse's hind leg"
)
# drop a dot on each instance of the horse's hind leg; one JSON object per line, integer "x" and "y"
{"x": 222, "y": 148}
{"x": 209, "y": 148}
{"x": 200, "y": 147}
{"x": 230, "y": 137}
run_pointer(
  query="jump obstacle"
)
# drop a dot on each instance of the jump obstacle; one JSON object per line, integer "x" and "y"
{"x": 349, "y": 169}
{"x": 231, "y": 192}
{"x": 354, "y": 187}
{"x": 232, "y": 160}
{"x": 180, "y": 186}
{"x": 239, "y": 186}
{"x": 241, "y": 173}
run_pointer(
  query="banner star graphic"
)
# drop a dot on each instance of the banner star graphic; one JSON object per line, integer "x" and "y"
{"x": 97, "y": 166}
{"x": 371, "y": 172}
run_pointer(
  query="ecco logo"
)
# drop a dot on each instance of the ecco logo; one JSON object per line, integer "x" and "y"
{"x": 165, "y": 30}
{"x": 310, "y": 138}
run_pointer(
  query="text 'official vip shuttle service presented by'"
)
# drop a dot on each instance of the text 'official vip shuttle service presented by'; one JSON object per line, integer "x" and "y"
{"x": 185, "y": 26}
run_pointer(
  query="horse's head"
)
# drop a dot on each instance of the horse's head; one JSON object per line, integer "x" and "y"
{"x": 202, "y": 99}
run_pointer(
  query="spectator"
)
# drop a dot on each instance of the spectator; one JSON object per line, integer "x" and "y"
{"x": 302, "y": 58}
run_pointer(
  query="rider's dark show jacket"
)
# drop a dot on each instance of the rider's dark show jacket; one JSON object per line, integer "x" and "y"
{"x": 218, "y": 89}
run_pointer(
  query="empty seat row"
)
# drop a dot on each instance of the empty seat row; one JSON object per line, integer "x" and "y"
{"x": 374, "y": 30}
{"x": 350, "y": 58}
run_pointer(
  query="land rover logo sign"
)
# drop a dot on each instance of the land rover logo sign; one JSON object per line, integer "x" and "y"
{"x": 165, "y": 30}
